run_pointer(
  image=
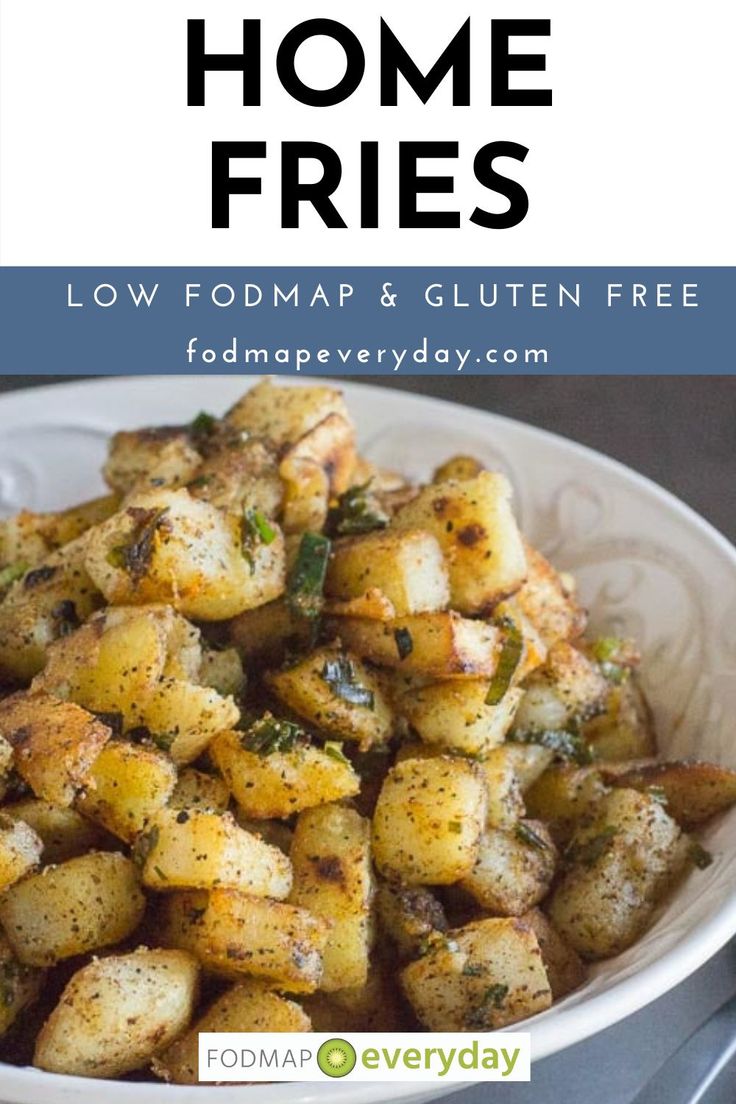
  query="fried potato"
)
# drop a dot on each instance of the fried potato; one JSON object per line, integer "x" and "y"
{"x": 118, "y": 1012}
{"x": 232, "y": 934}
{"x": 693, "y": 792}
{"x": 19, "y": 985}
{"x": 547, "y": 602}
{"x": 474, "y": 523}
{"x": 81, "y": 905}
{"x": 20, "y": 849}
{"x": 501, "y": 777}
{"x": 513, "y": 869}
{"x": 454, "y": 715}
{"x": 128, "y": 786}
{"x": 284, "y": 414}
{"x": 196, "y": 790}
{"x": 247, "y": 1006}
{"x": 565, "y": 968}
{"x": 163, "y": 452}
{"x": 481, "y": 977}
{"x": 428, "y": 821}
{"x": 625, "y": 727}
{"x": 193, "y": 849}
{"x": 64, "y": 832}
{"x": 184, "y": 718}
{"x": 28, "y": 538}
{"x": 407, "y": 568}
{"x": 333, "y": 879}
{"x": 54, "y": 744}
{"x": 564, "y": 795}
{"x": 410, "y": 916}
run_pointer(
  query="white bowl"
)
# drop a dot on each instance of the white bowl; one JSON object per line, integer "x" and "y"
{"x": 647, "y": 565}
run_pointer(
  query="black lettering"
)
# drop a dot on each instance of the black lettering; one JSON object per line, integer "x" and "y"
{"x": 489, "y": 178}
{"x": 248, "y": 62}
{"x": 411, "y": 185}
{"x": 293, "y": 192}
{"x": 503, "y": 63}
{"x": 223, "y": 185}
{"x": 454, "y": 59}
{"x": 354, "y": 68}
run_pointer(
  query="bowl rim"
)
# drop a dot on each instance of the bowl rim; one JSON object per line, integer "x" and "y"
{"x": 554, "y": 1030}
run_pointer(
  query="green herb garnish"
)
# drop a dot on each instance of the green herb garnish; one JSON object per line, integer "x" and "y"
{"x": 436, "y": 941}
{"x": 569, "y": 745}
{"x": 340, "y": 675}
{"x": 511, "y": 653}
{"x": 404, "y": 642}
{"x": 527, "y": 835}
{"x": 334, "y": 750}
{"x": 144, "y": 845}
{"x": 658, "y": 794}
{"x": 135, "y": 557}
{"x": 357, "y": 511}
{"x": 162, "y": 740}
{"x": 305, "y": 587}
{"x": 11, "y": 573}
{"x": 588, "y": 852}
{"x": 203, "y": 425}
{"x": 491, "y": 1001}
{"x": 454, "y": 826}
{"x": 255, "y": 529}
{"x": 473, "y": 969}
{"x": 268, "y": 735}
{"x": 610, "y": 653}
{"x": 699, "y": 856}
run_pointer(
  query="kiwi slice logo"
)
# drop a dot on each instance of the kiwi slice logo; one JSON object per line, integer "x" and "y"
{"x": 336, "y": 1057}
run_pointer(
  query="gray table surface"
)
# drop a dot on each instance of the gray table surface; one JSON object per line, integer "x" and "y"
{"x": 680, "y": 431}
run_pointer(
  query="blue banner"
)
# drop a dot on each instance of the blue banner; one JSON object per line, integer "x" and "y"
{"x": 368, "y": 321}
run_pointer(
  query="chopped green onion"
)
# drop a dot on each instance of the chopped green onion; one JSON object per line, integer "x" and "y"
{"x": 699, "y": 856}
{"x": 567, "y": 744}
{"x": 511, "y": 652}
{"x": 334, "y": 750}
{"x": 357, "y": 511}
{"x": 258, "y": 526}
{"x": 340, "y": 675}
{"x": 12, "y": 573}
{"x": 527, "y": 835}
{"x": 454, "y": 826}
{"x": 307, "y": 578}
{"x": 203, "y": 425}
{"x": 268, "y": 735}
{"x": 588, "y": 852}
{"x": 404, "y": 642}
{"x": 135, "y": 557}
{"x": 493, "y": 999}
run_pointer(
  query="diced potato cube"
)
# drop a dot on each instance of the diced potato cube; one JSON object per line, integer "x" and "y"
{"x": 167, "y": 452}
{"x": 222, "y": 670}
{"x": 267, "y": 633}
{"x": 433, "y": 645}
{"x": 505, "y": 801}
{"x": 568, "y": 688}
{"x": 118, "y": 1012}
{"x": 428, "y": 821}
{"x": 184, "y": 717}
{"x": 199, "y": 850}
{"x": 481, "y": 977}
{"x": 564, "y": 795}
{"x": 529, "y": 762}
{"x": 625, "y": 728}
{"x": 196, "y": 790}
{"x": 457, "y": 468}
{"x": 246, "y": 1006}
{"x": 547, "y": 602}
{"x": 337, "y": 694}
{"x": 693, "y": 792}
{"x": 282, "y": 782}
{"x": 454, "y": 715}
{"x": 54, "y": 742}
{"x": 513, "y": 870}
{"x": 408, "y": 568}
{"x": 565, "y": 968}
{"x": 128, "y": 785}
{"x": 20, "y": 849}
{"x": 234, "y": 934}
{"x": 319, "y": 464}
{"x": 83, "y": 904}
{"x": 64, "y": 832}
{"x": 410, "y": 916}
{"x": 284, "y": 414}
{"x": 475, "y": 526}
{"x": 331, "y": 857}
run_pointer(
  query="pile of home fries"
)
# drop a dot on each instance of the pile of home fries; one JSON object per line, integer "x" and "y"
{"x": 288, "y": 743}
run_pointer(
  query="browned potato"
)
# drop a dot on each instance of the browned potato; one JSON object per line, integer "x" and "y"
{"x": 183, "y": 718}
{"x": 406, "y": 568}
{"x": 481, "y": 977}
{"x": 234, "y": 934}
{"x": 625, "y": 728}
{"x": 163, "y": 452}
{"x": 513, "y": 869}
{"x": 473, "y": 521}
{"x": 284, "y": 414}
{"x": 128, "y": 785}
{"x": 193, "y": 849}
{"x": 457, "y": 468}
{"x": 434, "y": 645}
{"x": 567, "y": 689}
{"x": 428, "y": 821}
{"x": 78, "y": 906}
{"x": 247, "y": 1006}
{"x": 565, "y": 969}
{"x": 267, "y": 633}
{"x": 64, "y": 832}
{"x": 547, "y": 602}
{"x": 27, "y": 538}
{"x": 196, "y": 790}
{"x": 693, "y": 791}
{"x": 276, "y": 783}
{"x": 501, "y": 776}
{"x": 19, "y": 985}
{"x": 333, "y": 878}
{"x": 564, "y": 795}
{"x": 454, "y": 714}
{"x": 54, "y": 743}
{"x": 117, "y": 1013}
{"x": 336, "y": 693}
{"x": 410, "y": 916}
{"x": 20, "y": 849}
{"x": 319, "y": 464}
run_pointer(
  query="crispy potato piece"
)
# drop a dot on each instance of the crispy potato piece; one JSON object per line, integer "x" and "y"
{"x": 694, "y": 791}
{"x": 28, "y": 538}
{"x": 234, "y": 934}
{"x": 162, "y": 452}
{"x": 118, "y": 1012}
{"x": 410, "y": 916}
{"x": 457, "y": 468}
{"x": 454, "y": 715}
{"x": 547, "y": 602}
{"x": 185, "y": 718}
{"x": 528, "y": 762}
{"x": 428, "y": 821}
{"x": 246, "y": 1006}
{"x": 406, "y": 567}
{"x": 283, "y": 782}
{"x": 192, "y": 849}
{"x": 373, "y": 604}
{"x": 565, "y": 968}
{"x": 564, "y": 795}
{"x": 222, "y": 670}
{"x": 319, "y": 464}
{"x": 196, "y": 790}
{"x": 63, "y": 832}
{"x": 45, "y": 604}
{"x": 534, "y": 650}
{"x": 54, "y": 742}
{"x": 483, "y": 976}
{"x": 623, "y": 862}
{"x": 240, "y": 473}
{"x": 513, "y": 869}
{"x": 166, "y": 546}
{"x": 20, "y": 849}
{"x": 568, "y": 688}
{"x": 475, "y": 526}
{"x": 284, "y": 414}
{"x": 267, "y": 633}
{"x": 275, "y": 832}
{"x": 19, "y": 985}
{"x": 625, "y": 729}
{"x": 331, "y": 858}
{"x": 128, "y": 786}
{"x": 335, "y": 692}
{"x": 505, "y": 801}
{"x": 433, "y": 645}
{"x": 78, "y": 906}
